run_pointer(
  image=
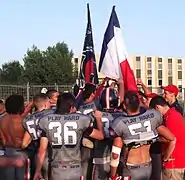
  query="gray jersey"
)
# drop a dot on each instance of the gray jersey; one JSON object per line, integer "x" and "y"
{"x": 138, "y": 128}
{"x": 64, "y": 133}
{"x": 102, "y": 149}
{"x": 89, "y": 107}
{"x": 30, "y": 123}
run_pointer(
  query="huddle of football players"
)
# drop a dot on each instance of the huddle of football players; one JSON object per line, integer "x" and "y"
{"x": 101, "y": 134}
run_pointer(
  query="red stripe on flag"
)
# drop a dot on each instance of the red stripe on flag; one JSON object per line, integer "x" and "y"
{"x": 127, "y": 178}
{"x": 128, "y": 76}
{"x": 81, "y": 178}
{"x": 89, "y": 68}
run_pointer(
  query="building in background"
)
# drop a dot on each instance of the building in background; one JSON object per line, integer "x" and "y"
{"x": 154, "y": 71}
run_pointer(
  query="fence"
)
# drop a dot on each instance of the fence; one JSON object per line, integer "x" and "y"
{"x": 28, "y": 91}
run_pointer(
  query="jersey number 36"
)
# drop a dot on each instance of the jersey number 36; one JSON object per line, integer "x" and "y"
{"x": 68, "y": 130}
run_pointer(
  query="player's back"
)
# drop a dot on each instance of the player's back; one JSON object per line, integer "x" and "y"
{"x": 30, "y": 122}
{"x": 89, "y": 107}
{"x": 12, "y": 131}
{"x": 139, "y": 128}
{"x": 102, "y": 149}
{"x": 64, "y": 133}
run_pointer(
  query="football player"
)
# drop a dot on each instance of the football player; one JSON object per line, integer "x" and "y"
{"x": 137, "y": 132}
{"x": 89, "y": 105}
{"x": 109, "y": 100}
{"x": 30, "y": 124}
{"x": 64, "y": 130}
{"x": 53, "y": 96}
{"x": 12, "y": 132}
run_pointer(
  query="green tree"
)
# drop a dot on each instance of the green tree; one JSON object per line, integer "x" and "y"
{"x": 51, "y": 66}
{"x": 12, "y": 72}
{"x": 0, "y": 75}
{"x": 34, "y": 65}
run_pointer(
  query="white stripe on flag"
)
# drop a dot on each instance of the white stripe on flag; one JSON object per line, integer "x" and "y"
{"x": 110, "y": 65}
{"x": 107, "y": 98}
{"x": 126, "y": 178}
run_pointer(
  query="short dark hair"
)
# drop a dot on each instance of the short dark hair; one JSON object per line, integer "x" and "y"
{"x": 131, "y": 101}
{"x": 14, "y": 104}
{"x": 50, "y": 93}
{"x": 64, "y": 103}
{"x": 158, "y": 100}
{"x": 88, "y": 90}
{"x": 39, "y": 97}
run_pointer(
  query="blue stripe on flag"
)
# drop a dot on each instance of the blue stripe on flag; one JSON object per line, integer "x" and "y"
{"x": 109, "y": 34}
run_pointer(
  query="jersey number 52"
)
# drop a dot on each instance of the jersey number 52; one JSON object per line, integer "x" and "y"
{"x": 31, "y": 125}
{"x": 68, "y": 130}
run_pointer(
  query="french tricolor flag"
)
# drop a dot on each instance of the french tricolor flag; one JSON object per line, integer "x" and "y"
{"x": 113, "y": 59}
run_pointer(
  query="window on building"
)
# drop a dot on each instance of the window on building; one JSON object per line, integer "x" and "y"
{"x": 160, "y": 74}
{"x": 179, "y": 61}
{"x": 138, "y": 65}
{"x": 160, "y": 66}
{"x": 169, "y": 67}
{"x": 160, "y": 60}
{"x": 179, "y": 68}
{"x": 160, "y": 63}
{"x": 138, "y": 58}
{"x": 169, "y": 60}
{"x": 159, "y": 91}
{"x": 138, "y": 62}
{"x": 149, "y": 81}
{"x": 169, "y": 72}
{"x": 149, "y": 65}
{"x": 179, "y": 74}
{"x": 170, "y": 80}
{"x": 180, "y": 88}
{"x": 180, "y": 85}
{"x": 179, "y": 65}
{"x": 138, "y": 73}
{"x": 76, "y": 60}
{"x": 149, "y": 59}
{"x": 160, "y": 83}
{"x": 149, "y": 73}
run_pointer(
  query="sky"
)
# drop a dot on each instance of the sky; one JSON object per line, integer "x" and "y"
{"x": 149, "y": 27}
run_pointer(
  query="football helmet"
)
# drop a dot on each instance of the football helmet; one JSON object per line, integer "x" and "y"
{"x": 109, "y": 98}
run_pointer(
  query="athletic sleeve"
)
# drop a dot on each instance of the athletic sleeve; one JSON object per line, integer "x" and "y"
{"x": 41, "y": 123}
{"x": 42, "y": 126}
{"x": 87, "y": 122}
{"x": 116, "y": 128}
